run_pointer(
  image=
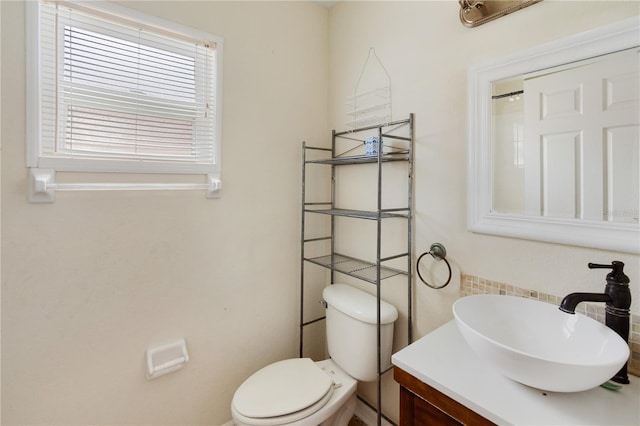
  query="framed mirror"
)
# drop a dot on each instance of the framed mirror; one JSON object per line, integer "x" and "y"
{"x": 553, "y": 143}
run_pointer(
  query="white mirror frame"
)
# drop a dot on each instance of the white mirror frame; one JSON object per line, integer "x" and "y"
{"x": 621, "y": 237}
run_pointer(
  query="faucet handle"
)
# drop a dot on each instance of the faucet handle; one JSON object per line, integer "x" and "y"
{"x": 617, "y": 275}
{"x": 616, "y": 265}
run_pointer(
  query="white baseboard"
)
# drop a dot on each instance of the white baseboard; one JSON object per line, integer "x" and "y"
{"x": 369, "y": 416}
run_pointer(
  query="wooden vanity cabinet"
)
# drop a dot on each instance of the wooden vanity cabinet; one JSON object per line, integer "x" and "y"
{"x": 421, "y": 404}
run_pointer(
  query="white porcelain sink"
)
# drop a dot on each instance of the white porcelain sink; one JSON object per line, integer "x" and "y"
{"x": 538, "y": 345}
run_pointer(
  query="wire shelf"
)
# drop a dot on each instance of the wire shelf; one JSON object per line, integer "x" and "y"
{"x": 360, "y": 214}
{"x": 361, "y": 159}
{"x": 357, "y": 268}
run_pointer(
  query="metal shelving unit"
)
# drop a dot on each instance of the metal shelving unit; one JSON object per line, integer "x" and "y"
{"x": 395, "y": 142}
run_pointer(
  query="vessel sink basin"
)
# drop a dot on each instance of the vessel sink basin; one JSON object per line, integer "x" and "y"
{"x": 538, "y": 345}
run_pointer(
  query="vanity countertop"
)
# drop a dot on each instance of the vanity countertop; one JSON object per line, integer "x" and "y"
{"x": 443, "y": 360}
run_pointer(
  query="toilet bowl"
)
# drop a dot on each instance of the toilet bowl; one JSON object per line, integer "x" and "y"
{"x": 299, "y": 391}
{"x": 290, "y": 392}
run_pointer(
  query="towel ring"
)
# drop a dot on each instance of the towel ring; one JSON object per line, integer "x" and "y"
{"x": 438, "y": 252}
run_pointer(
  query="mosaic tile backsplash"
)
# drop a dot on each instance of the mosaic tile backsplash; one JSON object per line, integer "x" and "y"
{"x": 475, "y": 285}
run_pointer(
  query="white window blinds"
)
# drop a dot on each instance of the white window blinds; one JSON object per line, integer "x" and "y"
{"x": 118, "y": 93}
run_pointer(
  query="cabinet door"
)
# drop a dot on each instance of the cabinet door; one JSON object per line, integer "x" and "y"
{"x": 416, "y": 411}
{"x": 420, "y": 404}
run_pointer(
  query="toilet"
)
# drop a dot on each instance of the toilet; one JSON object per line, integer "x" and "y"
{"x": 299, "y": 391}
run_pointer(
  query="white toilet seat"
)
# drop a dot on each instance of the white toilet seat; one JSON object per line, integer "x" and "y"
{"x": 291, "y": 418}
{"x": 336, "y": 410}
{"x": 282, "y": 392}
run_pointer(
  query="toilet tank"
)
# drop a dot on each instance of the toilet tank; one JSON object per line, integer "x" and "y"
{"x": 351, "y": 320}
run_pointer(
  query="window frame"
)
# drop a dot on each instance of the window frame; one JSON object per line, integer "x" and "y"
{"x": 34, "y": 157}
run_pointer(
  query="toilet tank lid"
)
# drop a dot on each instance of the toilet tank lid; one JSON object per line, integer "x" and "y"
{"x": 358, "y": 304}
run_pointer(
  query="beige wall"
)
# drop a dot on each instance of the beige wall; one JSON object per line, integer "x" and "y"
{"x": 91, "y": 281}
{"x": 427, "y": 52}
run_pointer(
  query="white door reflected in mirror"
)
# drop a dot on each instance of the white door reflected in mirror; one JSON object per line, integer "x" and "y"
{"x": 565, "y": 140}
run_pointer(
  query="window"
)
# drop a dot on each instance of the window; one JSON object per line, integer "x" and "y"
{"x": 113, "y": 90}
